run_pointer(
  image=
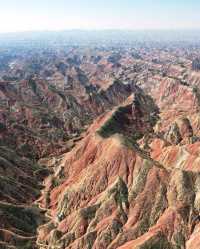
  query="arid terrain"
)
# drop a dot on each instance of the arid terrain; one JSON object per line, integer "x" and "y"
{"x": 100, "y": 144}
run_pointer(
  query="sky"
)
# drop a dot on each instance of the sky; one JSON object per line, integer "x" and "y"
{"x": 28, "y": 15}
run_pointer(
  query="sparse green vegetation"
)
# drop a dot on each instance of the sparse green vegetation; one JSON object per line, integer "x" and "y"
{"x": 115, "y": 123}
{"x": 2, "y": 127}
{"x": 179, "y": 240}
{"x": 27, "y": 150}
{"x": 33, "y": 85}
{"x": 89, "y": 212}
{"x": 196, "y": 92}
{"x": 120, "y": 193}
{"x": 156, "y": 242}
{"x": 22, "y": 218}
{"x": 55, "y": 90}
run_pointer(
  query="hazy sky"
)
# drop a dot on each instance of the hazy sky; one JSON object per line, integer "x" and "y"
{"x": 22, "y": 15}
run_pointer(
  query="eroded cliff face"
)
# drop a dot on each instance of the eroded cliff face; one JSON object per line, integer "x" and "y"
{"x": 129, "y": 180}
{"x": 39, "y": 119}
{"x": 132, "y": 182}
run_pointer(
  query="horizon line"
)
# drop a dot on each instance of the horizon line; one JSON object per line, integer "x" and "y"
{"x": 99, "y": 30}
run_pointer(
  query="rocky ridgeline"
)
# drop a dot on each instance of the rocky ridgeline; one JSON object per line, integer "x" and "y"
{"x": 132, "y": 181}
{"x": 117, "y": 138}
{"x": 39, "y": 119}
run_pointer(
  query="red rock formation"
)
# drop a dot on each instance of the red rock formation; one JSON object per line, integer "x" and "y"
{"x": 131, "y": 181}
{"x": 111, "y": 192}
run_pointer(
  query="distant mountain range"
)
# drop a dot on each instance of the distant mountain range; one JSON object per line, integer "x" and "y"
{"x": 96, "y": 37}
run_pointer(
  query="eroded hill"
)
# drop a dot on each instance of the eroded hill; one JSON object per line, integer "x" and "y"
{"x": 116, "y": 132}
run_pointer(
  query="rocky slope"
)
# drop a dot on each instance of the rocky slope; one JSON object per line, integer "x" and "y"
{"x": 128, "y": 180}
{"x": 20, "y": 185}
{"x": 133, "y": 181}
{"x": 40, "y": 119}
